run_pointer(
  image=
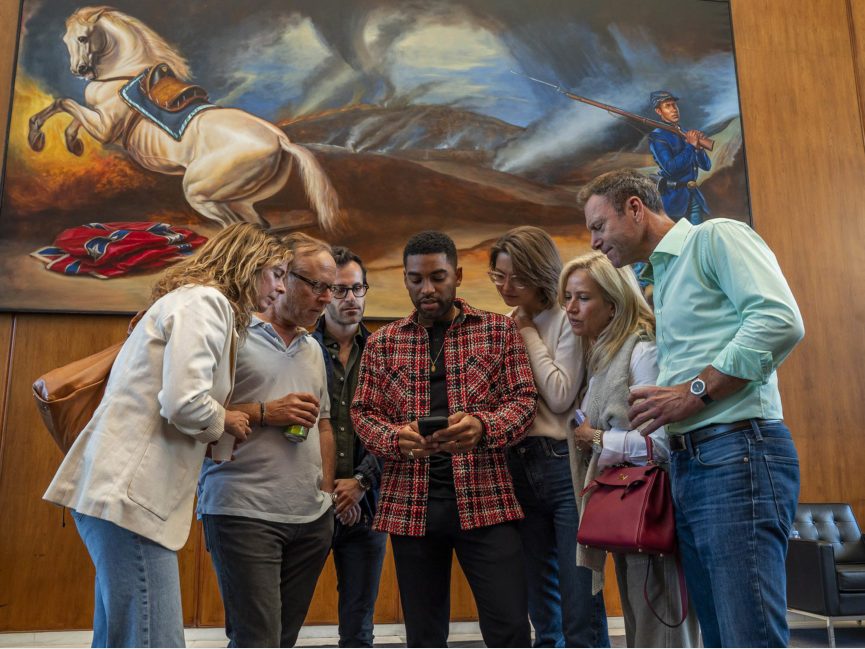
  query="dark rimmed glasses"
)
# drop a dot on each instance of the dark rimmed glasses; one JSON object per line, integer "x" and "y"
{"x": 358, "y": 290}
{"x": 317, "y": 287}
{"x": 499, "y": 279}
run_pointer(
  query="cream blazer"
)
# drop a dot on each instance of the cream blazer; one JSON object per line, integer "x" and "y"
{"x": 136, "y": 463}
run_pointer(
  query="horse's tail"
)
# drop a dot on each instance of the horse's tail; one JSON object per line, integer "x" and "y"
{"x": 320, "y": 192}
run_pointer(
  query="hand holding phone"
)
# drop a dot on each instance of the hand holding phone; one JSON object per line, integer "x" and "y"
{"x": 428, "y": 425}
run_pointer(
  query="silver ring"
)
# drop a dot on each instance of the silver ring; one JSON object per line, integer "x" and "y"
{"x": 411, "y": 453}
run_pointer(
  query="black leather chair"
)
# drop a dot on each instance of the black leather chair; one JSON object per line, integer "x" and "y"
{"x": 826, "y": 565}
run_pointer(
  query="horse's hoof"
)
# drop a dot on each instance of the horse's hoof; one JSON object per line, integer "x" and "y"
{"x": 36, "y": 141}
{"x": 76, "y": 147}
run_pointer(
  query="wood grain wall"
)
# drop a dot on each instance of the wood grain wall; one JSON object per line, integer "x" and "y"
{"x": 800, "y": 66}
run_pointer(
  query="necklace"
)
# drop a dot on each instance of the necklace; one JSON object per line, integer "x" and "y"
{"x": 432, "y": 367}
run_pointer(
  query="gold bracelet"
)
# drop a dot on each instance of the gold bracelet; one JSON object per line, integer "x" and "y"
{"x": 597, "y": 437}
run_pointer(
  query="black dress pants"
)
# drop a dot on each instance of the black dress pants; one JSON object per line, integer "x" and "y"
{"x": 267, "y": 574}
{"x": 491, "y": 558}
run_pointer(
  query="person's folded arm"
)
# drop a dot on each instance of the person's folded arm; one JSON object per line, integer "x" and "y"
{"x": 195, "y": 336}
{"x": 556, "y": 373}
{"x": 749, "y": 275}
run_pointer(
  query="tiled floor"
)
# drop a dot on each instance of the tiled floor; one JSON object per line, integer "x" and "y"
{"x": 804, "y": 633}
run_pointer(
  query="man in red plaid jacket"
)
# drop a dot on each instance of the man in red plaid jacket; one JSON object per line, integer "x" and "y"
{"x": 449, "y": 489}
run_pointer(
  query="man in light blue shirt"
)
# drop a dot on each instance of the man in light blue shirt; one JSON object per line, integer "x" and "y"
{"x": 726, "y": 318}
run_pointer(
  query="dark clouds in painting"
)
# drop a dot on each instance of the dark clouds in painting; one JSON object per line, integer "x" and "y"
{"x": 282, "y": 60}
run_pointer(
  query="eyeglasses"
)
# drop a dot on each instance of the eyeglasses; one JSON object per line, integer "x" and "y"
{"x": 317, "y": 287}
{"x": 499, "y": 279}
{"x": 359, "y": 290}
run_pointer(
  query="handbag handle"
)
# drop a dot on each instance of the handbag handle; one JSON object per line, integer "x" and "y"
{"x": 650, "y": 447}
{"x": 683, "y": 593}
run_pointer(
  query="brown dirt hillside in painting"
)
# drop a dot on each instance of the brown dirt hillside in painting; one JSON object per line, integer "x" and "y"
{"x": 430, "y": 194}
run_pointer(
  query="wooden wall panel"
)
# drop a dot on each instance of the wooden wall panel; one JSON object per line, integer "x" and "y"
{"x": 6, "y": 325}
{"x": 46, "y": 575}
{"x": 803, "y": 131}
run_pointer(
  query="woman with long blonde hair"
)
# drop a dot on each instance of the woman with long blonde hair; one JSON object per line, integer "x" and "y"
{"x": 130, "y": 477}
{"x": 607, "y": 311}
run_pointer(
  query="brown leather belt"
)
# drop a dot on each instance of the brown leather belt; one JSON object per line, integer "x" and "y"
{"x": 704, "y": 434}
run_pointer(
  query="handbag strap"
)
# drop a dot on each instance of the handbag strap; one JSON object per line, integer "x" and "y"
{"x": 650, "y": 448}
{"x": 683, "y": 592}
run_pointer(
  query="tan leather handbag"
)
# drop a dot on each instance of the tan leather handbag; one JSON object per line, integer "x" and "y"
{"x": 68, "y": 396}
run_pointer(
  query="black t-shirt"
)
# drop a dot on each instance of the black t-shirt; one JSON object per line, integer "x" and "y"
{"x": 441, "y": 474}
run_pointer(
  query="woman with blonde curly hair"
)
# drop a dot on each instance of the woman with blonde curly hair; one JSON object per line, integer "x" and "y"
{"x": 130, "y": 477}
{"x": 608, "y": 312}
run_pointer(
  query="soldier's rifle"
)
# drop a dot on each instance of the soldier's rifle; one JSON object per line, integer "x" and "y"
{"x": 704, "y": 142}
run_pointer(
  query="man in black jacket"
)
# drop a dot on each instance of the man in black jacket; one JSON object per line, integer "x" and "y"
{"x": 358, "y": 551}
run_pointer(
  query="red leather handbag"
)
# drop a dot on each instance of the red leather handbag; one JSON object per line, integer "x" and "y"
{"x": 630, "y": 509}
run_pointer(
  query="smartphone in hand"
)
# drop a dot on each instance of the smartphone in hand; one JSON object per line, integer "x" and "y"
{"x": 428, "y": 425}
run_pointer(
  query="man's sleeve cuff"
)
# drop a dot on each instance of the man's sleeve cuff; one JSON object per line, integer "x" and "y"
{"x": 744, "y": 363}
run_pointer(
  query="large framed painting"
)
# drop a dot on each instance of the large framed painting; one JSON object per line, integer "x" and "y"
{"x": 137, "y": 131}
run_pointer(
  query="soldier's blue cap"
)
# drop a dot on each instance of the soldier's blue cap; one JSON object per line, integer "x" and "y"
{"x": 660, "y": 96}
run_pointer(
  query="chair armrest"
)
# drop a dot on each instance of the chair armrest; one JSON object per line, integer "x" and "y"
{"x": 812, "y": 583}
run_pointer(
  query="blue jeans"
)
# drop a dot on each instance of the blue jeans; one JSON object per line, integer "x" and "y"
{"x": 358, "y": 554}
{"x": 735, "y": 497}
{"x": 562, "y": 608}
{"x": 137, "y": 593}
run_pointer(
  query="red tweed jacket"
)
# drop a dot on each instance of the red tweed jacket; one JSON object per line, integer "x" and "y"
{"x": 488, "y": 376}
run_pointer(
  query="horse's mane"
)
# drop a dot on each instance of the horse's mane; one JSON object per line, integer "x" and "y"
{"x": 156, "y": 46}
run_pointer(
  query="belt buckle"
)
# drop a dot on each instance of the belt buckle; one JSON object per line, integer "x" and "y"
{"x": 677, "y": 443}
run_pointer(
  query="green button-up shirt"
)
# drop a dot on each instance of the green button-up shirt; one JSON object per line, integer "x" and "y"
{"x": 344, "y": 385}
{"x": 721, "y": 300}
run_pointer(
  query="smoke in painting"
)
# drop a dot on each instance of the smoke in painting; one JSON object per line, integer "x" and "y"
{"x": 361, "y": 122}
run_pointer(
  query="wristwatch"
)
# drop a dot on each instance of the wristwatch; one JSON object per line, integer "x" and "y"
{"x": 598, "y": 441}
{"x": 698, "y": 389}
{"x": 363, "y": 481}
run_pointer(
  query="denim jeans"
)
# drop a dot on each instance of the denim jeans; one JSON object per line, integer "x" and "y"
{"x": 358, "y": 554}
{"x": 562, "y": 608}
{"x": 735, "y": 497}
{"x": 137, "y": 593}
{"x": 267, "y": 574}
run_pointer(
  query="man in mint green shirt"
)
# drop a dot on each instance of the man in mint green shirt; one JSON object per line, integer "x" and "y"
{"x": 725, "y": 319}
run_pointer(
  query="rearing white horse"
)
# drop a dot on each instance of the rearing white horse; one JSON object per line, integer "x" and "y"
{"x": 229, "y": 159}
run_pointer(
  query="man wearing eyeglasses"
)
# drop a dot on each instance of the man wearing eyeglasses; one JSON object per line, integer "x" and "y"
{"x": 268, "y": 513}
{"x": 358, "y": 551}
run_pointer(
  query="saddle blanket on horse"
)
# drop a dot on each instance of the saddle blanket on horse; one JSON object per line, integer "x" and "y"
{"x": 173, "y": 122}
{"x": 106, "y": 250}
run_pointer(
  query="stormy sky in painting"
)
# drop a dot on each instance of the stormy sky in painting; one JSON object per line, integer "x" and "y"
{"x": 285, "y": 59}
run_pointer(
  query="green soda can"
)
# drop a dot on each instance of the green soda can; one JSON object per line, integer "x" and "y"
{"x": 296, "y": 433}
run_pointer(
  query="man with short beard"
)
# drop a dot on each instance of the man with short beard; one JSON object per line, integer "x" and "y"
{"x": 449, "y": 491}
{"x": 267, "y": 513}
{"x": 358, "y": 550}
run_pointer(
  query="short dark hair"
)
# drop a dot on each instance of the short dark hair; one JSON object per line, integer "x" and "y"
{"x": 431, "y": 242}
{"x": 618, "y": 186}
{"x": 343, "y": 256}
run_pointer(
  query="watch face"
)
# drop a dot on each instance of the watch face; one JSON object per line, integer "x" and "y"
{"x": 698, "y": 387}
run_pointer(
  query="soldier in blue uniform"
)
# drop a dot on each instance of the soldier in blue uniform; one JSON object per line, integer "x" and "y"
{"x": 680, "y": 158}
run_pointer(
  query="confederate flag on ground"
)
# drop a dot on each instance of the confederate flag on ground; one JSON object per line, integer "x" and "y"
{"x": 108, "y": 250}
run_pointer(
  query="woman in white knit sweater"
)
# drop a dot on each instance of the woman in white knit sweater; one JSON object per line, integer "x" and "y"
{"x": 524, "y": 266}
{"x": 130, "y": 477}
